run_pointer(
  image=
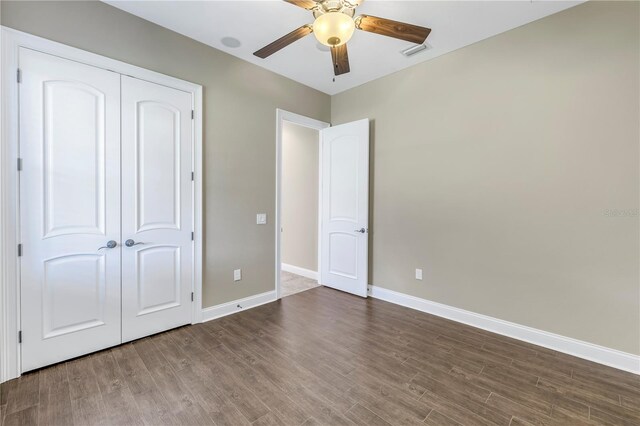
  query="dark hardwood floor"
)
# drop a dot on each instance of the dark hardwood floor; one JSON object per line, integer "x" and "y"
{"x": 324, "y": 357}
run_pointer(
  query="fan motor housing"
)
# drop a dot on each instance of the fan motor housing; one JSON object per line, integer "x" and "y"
{"x": 348, "y": 7}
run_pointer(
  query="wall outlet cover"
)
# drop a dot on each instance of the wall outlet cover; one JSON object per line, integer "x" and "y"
{"x": 237, "y": 274}
{"x": 418, "y": 274}
{"x": 261, "y": 219}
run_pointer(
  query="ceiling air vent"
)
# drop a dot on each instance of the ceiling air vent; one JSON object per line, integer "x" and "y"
{"x": 413, "y": 50}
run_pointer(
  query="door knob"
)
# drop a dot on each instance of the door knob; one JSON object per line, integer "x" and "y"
{"x": 110, "y": 244}
{"x": 131, "y": 243}
{"x": 361, "y": 230}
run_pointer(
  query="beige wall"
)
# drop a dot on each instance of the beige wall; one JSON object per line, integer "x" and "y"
{"x": 239, "y": 127}
{"x": 494, "y": 168}
{"x": 300, "y": 160}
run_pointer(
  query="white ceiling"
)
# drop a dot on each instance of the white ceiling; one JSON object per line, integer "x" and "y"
{"x": 454, "y": 24}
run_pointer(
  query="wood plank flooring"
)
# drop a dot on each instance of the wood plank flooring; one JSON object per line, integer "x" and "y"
{"x": 322, "y": 357}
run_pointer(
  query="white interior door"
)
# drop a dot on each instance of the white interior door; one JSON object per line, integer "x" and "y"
{"x": 157, "y": 208}
{"x": 69, "y": 208}
{"x": 345, "y": 207}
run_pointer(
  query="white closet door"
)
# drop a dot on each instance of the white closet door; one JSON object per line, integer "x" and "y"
{"x": 157, "y": 208}
{"x": 69, "y": 208}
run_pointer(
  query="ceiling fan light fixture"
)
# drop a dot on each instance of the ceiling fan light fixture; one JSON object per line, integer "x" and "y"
{"x": 333, "y": 28}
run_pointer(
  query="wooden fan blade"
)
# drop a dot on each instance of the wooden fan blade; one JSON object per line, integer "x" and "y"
{"x": 305, "y": 4}
{"x": 340, "y": 59}
{"x": 282, "y": 42}
{"x": 395, "y": 29}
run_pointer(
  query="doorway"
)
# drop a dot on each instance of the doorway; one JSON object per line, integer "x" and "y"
{"x": 298, "y": 203}
{"x": 299, "y": 214}
{"x": 340, "y": 215}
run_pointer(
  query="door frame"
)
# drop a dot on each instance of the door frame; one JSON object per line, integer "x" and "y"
{"x": 301, "y": 120}
{"x": 12, "y": 41}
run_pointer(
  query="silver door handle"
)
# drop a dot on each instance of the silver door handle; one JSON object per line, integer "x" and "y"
{"x": 110, "y": 244}
{"x": 131, "y": 243}
{"x": 361, "y": 230}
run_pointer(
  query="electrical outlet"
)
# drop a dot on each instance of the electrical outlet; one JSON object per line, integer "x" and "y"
{"x": 418, "y": 274}
{"x": 237, "y": 274}
{"x": 261, "y": 219}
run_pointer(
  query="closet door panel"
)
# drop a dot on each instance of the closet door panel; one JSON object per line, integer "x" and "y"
{"x": 157, "y": 208}
{"x": 69, "y": 208}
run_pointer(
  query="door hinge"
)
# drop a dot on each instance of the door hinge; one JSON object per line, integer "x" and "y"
{"x": 19, "y": 250}
{"x": 19, "y": 164}
{"x": 193, "y": 114}
{"x": 193, "y": 175}
{"x": 19, "y": 75}
{"x": 20, "y": 336}
{"x": 192, "y": 236}
{"x": 192, "y": 296}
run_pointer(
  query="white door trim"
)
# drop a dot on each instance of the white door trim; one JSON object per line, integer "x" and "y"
{"x": 281, "y": 117}
{"x": 12, "y": 40}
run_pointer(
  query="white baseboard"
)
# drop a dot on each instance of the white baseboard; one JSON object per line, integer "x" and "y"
{"x": 592, "y": 352}
{"x": 300, "y": 271}
{"x": 229, "y": 308}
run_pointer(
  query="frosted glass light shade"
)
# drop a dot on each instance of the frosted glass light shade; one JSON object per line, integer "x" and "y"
{"x": 333, "y": 28}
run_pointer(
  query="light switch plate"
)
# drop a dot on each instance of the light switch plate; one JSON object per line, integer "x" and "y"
{"x": 261, "y": 219}
{"x": 237, "y": 274}
{"x": 418, "y": 274}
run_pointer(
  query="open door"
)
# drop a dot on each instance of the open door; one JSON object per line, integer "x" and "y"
{"x": 345, "y": 207}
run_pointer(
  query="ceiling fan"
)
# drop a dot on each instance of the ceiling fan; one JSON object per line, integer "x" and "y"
{"x": 334, "y": 25}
